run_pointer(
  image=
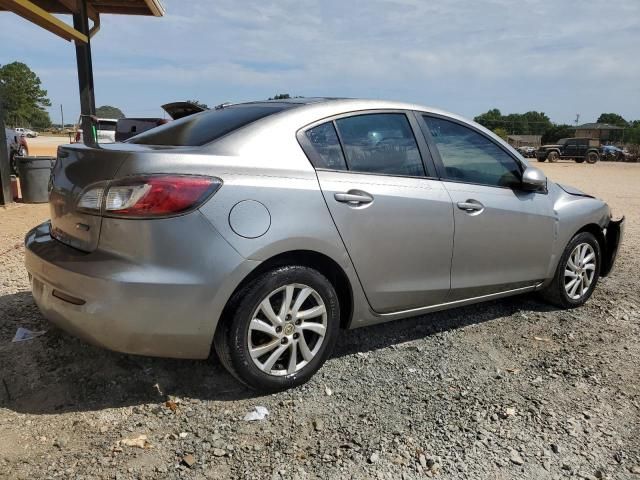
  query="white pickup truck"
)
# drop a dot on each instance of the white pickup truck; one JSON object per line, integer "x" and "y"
{"x": 25, "y": 132}
{"x": 105, "y": 131}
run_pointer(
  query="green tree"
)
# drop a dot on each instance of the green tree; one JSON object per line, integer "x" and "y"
{"x": 556, "y": 132}
{"x": 280, "y": 96}
{"x": 501, "y": 132}
{"x": 613, "y": 119}
{"x": 536, "y": 123}
{"x": 529, "y": 123}
{"x": 23, "y": 98}
{"x": 491, "y": 119}
{"x": 632, "y": 134}
{"x": 40, "y": 119}
{"x": 107, "y": 111}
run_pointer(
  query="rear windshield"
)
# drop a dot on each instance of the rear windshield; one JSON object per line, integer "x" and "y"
{"x": 208, "y": 126}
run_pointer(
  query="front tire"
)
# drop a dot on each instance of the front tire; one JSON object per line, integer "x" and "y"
{"x": 553, "y": 157}
{"x": 577, "y": 273}
{"x": 280, "y": 329}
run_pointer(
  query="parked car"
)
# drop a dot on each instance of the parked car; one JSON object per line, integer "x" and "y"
{"x": 129, "y": 127}
{"x": 527, "y": 151}
{"x": 26, "y": 132}
{"x": 613, "y": 153}
{"x": 105, "y": 131}
{"x": 578, "y": 149}
{"x": 265, "y": 228}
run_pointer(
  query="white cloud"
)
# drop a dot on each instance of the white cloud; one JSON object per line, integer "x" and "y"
{"x": 559, "y": 57}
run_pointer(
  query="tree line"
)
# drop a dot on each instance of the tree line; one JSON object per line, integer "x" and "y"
{"x": 24, "y": 102}
{"x": 538, "y": 123}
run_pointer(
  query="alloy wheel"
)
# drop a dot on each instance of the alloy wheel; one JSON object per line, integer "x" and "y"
{"x": 580, "y": 271}
{"x": 287, "y": 329}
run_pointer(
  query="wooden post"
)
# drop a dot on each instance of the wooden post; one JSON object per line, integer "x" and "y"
{"x": 85, "y": 74}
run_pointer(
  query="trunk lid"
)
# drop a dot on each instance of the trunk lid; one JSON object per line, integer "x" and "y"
{"x": 77, "y": 167}
{"x": 177, "y": 110}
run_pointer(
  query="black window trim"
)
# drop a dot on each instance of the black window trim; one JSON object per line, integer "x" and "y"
{"x": 435, "y": 153}
{"x": 423, "y": 150}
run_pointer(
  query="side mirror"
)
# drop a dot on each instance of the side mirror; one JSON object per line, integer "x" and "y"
{"x": 534, "y": 180}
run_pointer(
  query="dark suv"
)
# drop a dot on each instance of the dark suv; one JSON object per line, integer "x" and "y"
{"x": 578, "y": 149}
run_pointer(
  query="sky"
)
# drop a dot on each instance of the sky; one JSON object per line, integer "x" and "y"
{"x": 562, "y": 57}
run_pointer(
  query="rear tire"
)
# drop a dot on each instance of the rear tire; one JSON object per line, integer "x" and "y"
{"x": 580, "y": 262}
{"x": 592, "y": 157}
{"x": 553, "y": 157}
{"x": 280, "y": 328}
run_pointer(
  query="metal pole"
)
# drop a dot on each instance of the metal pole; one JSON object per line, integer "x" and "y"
{"x": 85, "y": 75}
{"x": 62, "y": 118}
{"x": 5, "y": 169}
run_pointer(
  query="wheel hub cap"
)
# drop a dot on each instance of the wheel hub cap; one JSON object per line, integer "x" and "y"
{"x": 580, "y": 271}
{"x": 287, "y": 329}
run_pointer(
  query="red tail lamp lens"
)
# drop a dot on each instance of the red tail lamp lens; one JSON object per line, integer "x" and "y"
{"x": 159, "y": 195}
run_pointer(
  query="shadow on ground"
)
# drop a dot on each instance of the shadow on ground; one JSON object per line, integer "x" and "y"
{"x": 57, "y": 373}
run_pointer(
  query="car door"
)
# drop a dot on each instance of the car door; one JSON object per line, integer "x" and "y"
{"x": 395, "y": 219}
{"x": 570, "y": 148}
{"x": 503, "y": 235}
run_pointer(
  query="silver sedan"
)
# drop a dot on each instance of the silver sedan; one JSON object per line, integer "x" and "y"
{"x": 263, "y": 229}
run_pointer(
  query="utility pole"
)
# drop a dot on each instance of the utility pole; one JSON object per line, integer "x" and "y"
{"x": 577, "y": 118}
{"x": 62, "y": 117}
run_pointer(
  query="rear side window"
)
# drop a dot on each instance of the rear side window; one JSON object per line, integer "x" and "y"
{"x": 325, "y": 149}
{"x": 380, "y": 143}
{"x": 205, "y": 127}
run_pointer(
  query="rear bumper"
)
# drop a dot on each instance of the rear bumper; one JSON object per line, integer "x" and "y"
{"x": 130, "y": 306}
{"x": 613, "y": 239}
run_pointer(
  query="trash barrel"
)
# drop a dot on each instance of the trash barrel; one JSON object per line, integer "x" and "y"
{"x": 34, "y": 178}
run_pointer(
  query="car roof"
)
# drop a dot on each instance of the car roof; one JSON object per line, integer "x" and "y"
{"x": 304, "y": 111}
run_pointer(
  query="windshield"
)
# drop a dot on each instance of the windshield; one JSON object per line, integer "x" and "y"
{"x": 207, "y": 126}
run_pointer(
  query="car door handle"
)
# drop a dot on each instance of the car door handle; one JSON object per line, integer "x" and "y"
{"x": 471, "y": 206}
{"x": 354, "y": 198}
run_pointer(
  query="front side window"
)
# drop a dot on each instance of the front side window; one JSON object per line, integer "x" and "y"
{"x": 468, "y": 156}
{"x": 380, "y": 143}
{"x": 325, "y": 149}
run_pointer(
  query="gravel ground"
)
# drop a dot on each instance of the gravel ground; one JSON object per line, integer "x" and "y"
{"x": 507, "y": 389}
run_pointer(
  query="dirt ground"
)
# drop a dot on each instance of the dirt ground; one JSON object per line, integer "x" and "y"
{"x": 45, "y": 145}
{"x": 508, "y": 389}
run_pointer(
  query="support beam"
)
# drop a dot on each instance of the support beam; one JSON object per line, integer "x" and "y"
{"x": 85, "y": 75}
{"x": 44, "y": 19}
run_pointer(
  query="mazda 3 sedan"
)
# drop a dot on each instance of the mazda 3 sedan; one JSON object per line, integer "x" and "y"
{"x": 260, "y": 230}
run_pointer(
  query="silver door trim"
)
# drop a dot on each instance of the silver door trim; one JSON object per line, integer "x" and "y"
{"x": 457, "y": 303}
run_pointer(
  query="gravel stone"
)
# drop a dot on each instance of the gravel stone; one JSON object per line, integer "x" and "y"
{"x": 65, "y": 405}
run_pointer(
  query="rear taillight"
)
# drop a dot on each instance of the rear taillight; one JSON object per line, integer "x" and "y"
{"x": 148, "y": 196}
